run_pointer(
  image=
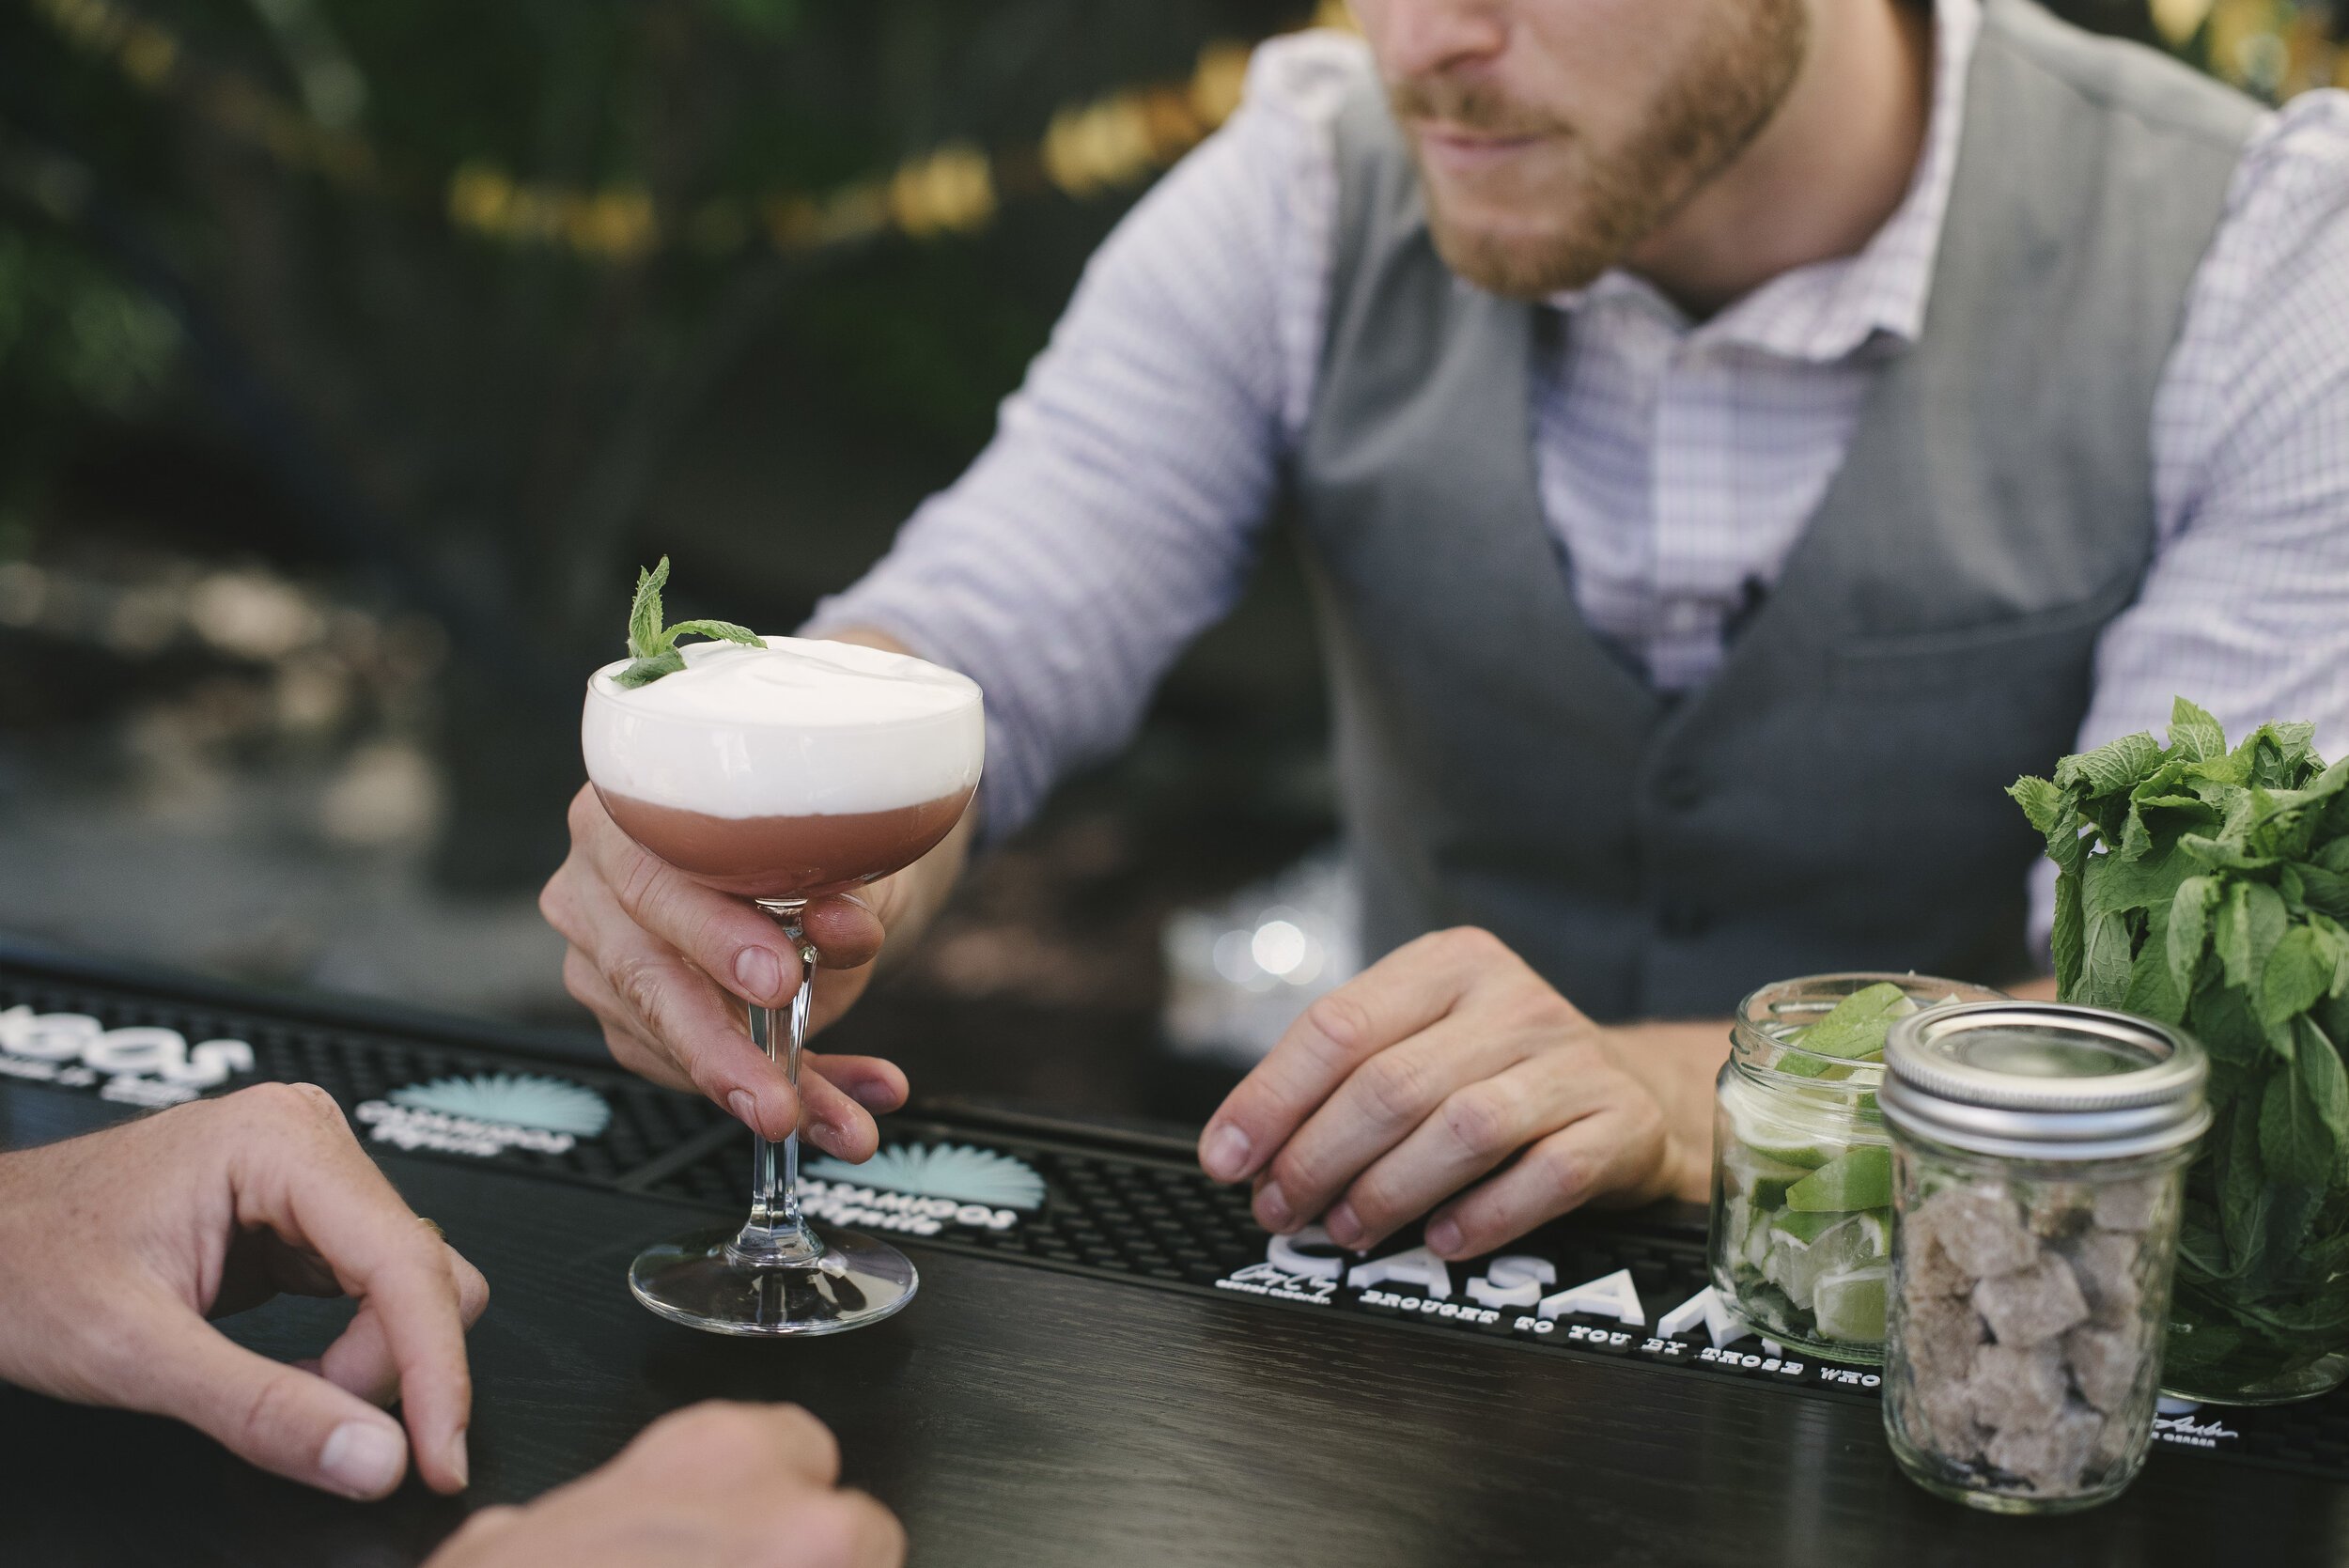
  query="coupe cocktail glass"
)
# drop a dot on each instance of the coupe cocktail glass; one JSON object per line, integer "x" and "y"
{"x": 783, "y": 774}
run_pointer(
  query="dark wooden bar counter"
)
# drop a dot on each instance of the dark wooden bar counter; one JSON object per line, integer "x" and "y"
{"x": 1018, "y": 1414}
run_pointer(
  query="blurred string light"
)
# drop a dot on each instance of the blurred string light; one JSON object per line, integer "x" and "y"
{"x": 1240, "y": 969}
{"x": 2274, "y": 48}
{"x": 152, "y": 59}
{"x": 1111, "y": 143}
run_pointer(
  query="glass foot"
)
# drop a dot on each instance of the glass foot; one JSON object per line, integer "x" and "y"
{"x": 692, "y": 1279}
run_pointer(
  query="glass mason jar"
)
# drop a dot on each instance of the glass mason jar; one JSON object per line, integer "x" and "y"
{"x": 1802, "y": 1174}
{"x": 2038, "y": 1152}
{"x": 2257, "y": 1315}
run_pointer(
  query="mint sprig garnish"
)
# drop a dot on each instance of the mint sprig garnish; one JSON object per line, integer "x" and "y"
{"x": 653, "y": 647}
{"x": 2210, "y": 887}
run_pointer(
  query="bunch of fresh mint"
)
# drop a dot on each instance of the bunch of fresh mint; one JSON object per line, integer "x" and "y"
{"x": 653, "y": 647}
{"x": 2209, "y": 887}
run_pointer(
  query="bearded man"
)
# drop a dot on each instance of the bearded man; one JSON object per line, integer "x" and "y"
{"x": 1729, "y": 441}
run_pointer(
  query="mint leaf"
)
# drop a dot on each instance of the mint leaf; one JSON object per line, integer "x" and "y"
{"x": 2194, "y": 733}
{"x": 645, "y": 640}
{"x": 2042, "y": 803}
{"x": 667, "y": 663}
{"x": 2242, "y": 1187}
{"x": 2250, "y": 923}
{"x": 2326, "y": 1083}
{"x": 2287, "y": 1215}
{"x": 2115, "y": 883}
{"x": 2276, "y": 756}
{"x": 2105, "y": 974}
{"x": 725, "y": 631}
{"x": 2300, "y": 971}
{"x": 2332, "y": 1014}
{"x": 653, "y": 647}
{"x": 2069, "y": 939}
{"x": 2154, "y": 991}
{"x": 2112, "y": 768}
{"x": 2189, "y": 928}
{"x": 2225, "y": 1021}
{"x": 2293, "y": 1139}
{"x": 2220, "y": 855}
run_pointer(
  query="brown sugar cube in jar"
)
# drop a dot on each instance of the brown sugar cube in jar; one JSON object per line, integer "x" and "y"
{"x": 2032, "y": 1305}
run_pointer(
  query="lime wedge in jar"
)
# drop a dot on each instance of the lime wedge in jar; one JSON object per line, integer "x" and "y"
{"x": 1803, "y": 1252}
{"x": 1758, "y": 1177}
{"x": 1857, "y": 1026}
{"x": 1861, "y": 1178}
{"x": 1849, "y": 1306}
{"x": 1804, "y": 1228}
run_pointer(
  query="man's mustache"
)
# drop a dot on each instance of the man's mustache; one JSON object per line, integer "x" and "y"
{"x": 1469, "y": 105}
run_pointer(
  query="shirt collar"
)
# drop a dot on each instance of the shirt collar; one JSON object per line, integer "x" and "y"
{"x": 1830, "y": 310}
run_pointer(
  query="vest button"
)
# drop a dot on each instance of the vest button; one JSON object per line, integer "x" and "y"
{"x": 1681, "y": 788}
{"x": 1682, "y": 921}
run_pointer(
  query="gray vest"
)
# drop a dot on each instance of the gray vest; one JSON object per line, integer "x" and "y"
{"x": 1834, "y": 799}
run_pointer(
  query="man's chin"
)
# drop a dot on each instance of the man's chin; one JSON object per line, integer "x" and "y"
{"x": 1519, "y": 265}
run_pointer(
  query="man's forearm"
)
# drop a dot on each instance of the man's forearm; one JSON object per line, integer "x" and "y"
{"x": 926, "y": 885}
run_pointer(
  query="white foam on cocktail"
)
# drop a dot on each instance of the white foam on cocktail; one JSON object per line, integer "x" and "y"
{"x": 798, "y": 728}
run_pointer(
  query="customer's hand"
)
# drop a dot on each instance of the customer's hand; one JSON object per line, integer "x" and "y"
{"x": 661, "y": 961}
{"x": 114, "y": 1247}
{"x": 714, "y": 1486}
{"x": 1433, "y": 1069}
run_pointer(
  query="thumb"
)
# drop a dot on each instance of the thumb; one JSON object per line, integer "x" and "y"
{"x": 277, "y": 1416}
{"x": 848, "y": 930}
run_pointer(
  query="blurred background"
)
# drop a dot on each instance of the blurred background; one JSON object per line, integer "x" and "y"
{"x": 353, "y": 355}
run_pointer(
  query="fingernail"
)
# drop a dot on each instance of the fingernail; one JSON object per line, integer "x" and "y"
{"x": 362, "y": 1459}
{"x": 1343, "y": 1227}
{"x": 873, "y": 1096}
{"x": 1272, "y": 1207}
{"x": 758, "y": 972}
{"x": 458, "y": 1460}
{"x": 744, "y": 1106}
{"x": 1444, "y": 1237}
{"x": 1227, "y": 1153}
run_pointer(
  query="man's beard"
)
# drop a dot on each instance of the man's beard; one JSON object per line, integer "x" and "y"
{"x": 1707, "y": 114}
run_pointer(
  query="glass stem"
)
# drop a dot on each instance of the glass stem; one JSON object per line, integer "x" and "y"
{"x": 775, "y": 1234}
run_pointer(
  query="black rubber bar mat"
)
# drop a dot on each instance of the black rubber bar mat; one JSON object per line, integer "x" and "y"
{"x": 1113, "y": 1205}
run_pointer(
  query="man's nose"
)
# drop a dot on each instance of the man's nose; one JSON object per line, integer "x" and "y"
{"x": 1416, "y": 39}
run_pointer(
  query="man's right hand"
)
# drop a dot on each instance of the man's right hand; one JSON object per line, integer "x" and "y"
{"x": 713, "y": 1486}
{"x": 666, "y": 964}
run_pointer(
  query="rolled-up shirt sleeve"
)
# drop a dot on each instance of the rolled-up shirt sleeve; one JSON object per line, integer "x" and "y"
{"x": 2245, "y": 607}
{"x": 1116, "y": 512}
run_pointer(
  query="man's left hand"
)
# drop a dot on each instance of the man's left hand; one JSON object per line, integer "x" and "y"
{"x": 119, "y": 1245}
{"x": 1450, "y": 1070}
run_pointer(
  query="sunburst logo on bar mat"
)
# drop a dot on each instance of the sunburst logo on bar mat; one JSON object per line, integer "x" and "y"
{"x": 956, "y": 1171}
{"x": 515, "y": 1100}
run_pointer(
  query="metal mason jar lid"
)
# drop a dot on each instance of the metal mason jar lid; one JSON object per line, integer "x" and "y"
{"x": 2043, "y": 1081}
